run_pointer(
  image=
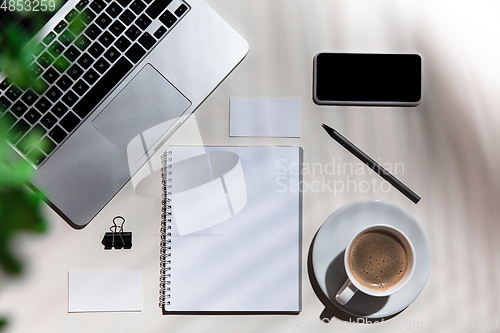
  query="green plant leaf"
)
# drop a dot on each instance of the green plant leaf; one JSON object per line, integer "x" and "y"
{"x": 15, "y": 56}
{"x": 16, "y": 44}
{"x": 20, "y": 208}
{"x": 3, "y": 323}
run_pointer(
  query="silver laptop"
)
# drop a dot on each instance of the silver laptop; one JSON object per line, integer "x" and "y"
{"x": 115, "y": 79}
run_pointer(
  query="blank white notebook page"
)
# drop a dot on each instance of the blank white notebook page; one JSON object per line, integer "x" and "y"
{"x": 247, "y": 256}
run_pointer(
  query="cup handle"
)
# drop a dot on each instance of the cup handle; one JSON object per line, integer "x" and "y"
{"x": 346, "y": 292}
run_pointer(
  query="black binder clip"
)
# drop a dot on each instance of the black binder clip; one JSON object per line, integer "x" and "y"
{"x": 117, "y": 238}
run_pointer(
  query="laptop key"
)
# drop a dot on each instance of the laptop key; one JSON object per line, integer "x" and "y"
{"x": 157, "y": 7}
{"x": 122, "y": 43}
{"x": 112, "y": 54}
{"x": 45, "y": 60}
{"x": 143, "y": 21}
{"x": 40, "y": 86}
{"x": 82, "y": 4}
{"x": 80, "y": 87}
{"x": 66, "y": 37}
{"x": 101, "y": 65}
{"x": 13, "y": 93}
{"x": 4, "y": 104}
{"x": 160, "y": 32}
{"x": 96, "y": 50}
{"x": 85, "y": 60}
{"x": 19, "y": 109}
{"x": 93, "y": 31}
{"x": 168, "y": 19}
{"x": 36, "y": 156}
{"x": 5, "y": 83}
{"x": 60, "y": 26}
{"x": 127, "y": 17}
{"x": 102, "y": 87}
{"x": 91, "y": 76}
{"x": 59, "y": 109}
{"x": 30, "y": 140}
{"x": 32, "y": 116}
{"x": 69, "y": 122}
{"x": 29, "y": 97}
{"x": 77, "y": 27}
{"x": 57, "y": 134}
{"x": 35, "y": 70}
{"x": 61, "y": 64}
{"x": 8, "y": 120}
{"x": 49, "y": 38}
{"x": 48, "y": 120}
{"x": 47, "y": 145}
{"x": 43, "y": 104}
{"x": 64, "y": 83}
{"x": 75, "y": 72}
{"x": 135, "y": 53}
{"x": 82, "y": 43}
{"x": 137, "y": 6}
{"x": 180, "y": 10}
{"x": 106, "y": 39}
{"x": 147, "y": 41}
{"x": 38, "y": 49}
{"x": 26, "y": 144}
{"x": 55, "y": 49}
{"x": 133, "y": 32}
{"x": 18, "y": 131}
{"x": 72, "y": 53}
{"x": 104, "y": 20}
{"x": 117, "y": 28}
{"x": 98, "y": 6}
{"x": 87, "y": 16}
{"x": 70, "y": 98}
{"x": 51, "y": 75}
{"x": 54, "y": 93}
{"x": 114, "y": 10}
{"x": 71, "y": 15}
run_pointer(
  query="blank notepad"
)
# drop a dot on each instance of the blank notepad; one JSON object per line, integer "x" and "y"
{"x": 98, "y": 291}
{"x": 232, "y": 229}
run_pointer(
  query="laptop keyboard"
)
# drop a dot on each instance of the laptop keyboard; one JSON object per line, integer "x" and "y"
{"x": 77, "y": 64}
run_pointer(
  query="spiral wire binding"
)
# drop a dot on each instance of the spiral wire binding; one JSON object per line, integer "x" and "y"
{"x": 165, "y": 230}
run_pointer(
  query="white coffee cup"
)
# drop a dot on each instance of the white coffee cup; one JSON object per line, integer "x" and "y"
{"x": 351, "y": 286}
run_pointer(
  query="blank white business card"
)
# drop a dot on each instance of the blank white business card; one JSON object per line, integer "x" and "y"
{"x": 264, "y": 117}
{"x": 100, "y": 291}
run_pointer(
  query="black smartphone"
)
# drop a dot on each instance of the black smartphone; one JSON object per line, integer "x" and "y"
{"x": 367, "y": 79}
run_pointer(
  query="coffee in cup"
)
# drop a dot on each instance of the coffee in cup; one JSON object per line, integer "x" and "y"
{"x": 379, "y": 261}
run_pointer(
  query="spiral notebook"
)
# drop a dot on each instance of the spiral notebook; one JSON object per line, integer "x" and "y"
{"x": 231, "y": 230}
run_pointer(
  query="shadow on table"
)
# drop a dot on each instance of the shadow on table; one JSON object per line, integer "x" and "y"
{"x": 362, "y": 304}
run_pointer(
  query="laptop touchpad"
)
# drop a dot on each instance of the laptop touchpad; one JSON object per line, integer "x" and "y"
{"x": 146, "y": 107}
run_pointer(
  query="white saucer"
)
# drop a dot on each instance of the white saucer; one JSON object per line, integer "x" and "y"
{"x": 332, "y": 239}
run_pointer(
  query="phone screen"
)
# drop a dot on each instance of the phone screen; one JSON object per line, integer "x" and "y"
{"x": 367, "y": 79}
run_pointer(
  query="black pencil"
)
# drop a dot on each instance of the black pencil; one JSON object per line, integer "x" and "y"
{"x": 372, "y": 164}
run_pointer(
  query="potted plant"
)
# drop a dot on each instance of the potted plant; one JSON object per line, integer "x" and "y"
{"x": 20, "y": 208}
